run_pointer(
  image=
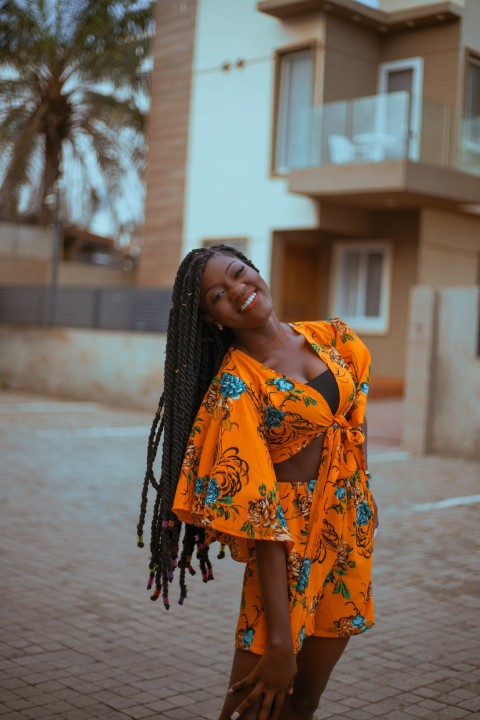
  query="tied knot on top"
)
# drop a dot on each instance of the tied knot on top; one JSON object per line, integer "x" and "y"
{"x": 354, "y": 435}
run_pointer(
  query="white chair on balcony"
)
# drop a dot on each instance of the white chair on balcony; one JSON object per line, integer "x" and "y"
{"x": 342, "y": 150}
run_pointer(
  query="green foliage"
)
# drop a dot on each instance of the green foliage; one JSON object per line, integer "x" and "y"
{"x": 74, "y": 86}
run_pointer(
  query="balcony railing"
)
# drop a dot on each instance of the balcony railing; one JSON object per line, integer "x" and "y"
{"x": 392, "y": 126}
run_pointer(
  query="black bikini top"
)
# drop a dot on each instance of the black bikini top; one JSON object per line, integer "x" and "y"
{"x": 326, "y": 385}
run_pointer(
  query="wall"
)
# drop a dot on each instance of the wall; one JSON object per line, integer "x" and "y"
{"x": 26, "y": 259}
{"x": 352, "y": 54}
{"x": 106, "y": 366}
{"x": 389, "y": 350}
{"x": 167, "y": 138}
{"x": 441, "y": 413}
{"x": 449, "y": 248}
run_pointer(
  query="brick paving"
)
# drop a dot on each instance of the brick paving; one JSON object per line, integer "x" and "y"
{"x": 81, "y": 640}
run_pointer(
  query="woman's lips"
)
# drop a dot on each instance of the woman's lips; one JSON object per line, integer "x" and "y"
{"x": 249, "y": 302}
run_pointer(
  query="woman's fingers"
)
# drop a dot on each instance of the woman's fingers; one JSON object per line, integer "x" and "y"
{"x": 277, "y": 705}
{"x": 241, "y": 684}
{"x": 245, "y": 704}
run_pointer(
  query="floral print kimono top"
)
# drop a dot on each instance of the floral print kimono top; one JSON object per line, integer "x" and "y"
{"x": 253, "y": 417}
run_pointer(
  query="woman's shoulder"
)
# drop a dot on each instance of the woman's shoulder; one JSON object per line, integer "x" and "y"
{"x": 236, "y": 362}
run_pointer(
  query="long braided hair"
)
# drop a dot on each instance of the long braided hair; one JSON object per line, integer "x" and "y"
{"x": 194, "y": 352}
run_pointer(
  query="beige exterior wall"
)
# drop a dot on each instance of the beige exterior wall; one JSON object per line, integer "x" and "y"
{"x": 449, "y": 252}
{"x": 351, "y": 57}
{"x": 168, "y": 140}
{"x": 74, "y": 274}
{"x": 470, "y": 34}
{"x": 443, "y": 374}
{"x": 26, "y": 259}
{"x": 120, "y": 368}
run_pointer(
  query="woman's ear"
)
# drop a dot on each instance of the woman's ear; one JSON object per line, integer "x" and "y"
{"x": 211, "y": 321}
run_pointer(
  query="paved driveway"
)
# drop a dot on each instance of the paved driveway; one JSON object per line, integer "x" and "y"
{"x": 81, "y": 640}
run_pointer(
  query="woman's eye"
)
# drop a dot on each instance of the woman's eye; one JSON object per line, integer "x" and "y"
{"x": 217, "y": 297}
{"x": 239, "y": 272}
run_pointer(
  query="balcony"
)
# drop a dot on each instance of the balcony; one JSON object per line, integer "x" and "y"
{"x": 396, "y": 149}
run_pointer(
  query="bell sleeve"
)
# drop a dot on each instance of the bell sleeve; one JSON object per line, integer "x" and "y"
{"x": 227, "y": 484}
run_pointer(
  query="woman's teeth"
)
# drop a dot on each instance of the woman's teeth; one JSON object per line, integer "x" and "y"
{"x": 248, "y": 301}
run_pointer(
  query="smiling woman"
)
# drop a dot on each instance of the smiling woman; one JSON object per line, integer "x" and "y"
{"x": 264, "y": 451}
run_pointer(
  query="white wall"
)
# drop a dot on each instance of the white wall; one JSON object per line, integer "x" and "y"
{"x": 104, "y": 366}
{"x": 229, "y": 189}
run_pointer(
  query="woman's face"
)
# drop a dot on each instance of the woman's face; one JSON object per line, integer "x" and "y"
{"x": 234, "y": 294}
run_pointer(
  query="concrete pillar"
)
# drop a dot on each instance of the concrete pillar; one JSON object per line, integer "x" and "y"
{"x": 419, "y": 378}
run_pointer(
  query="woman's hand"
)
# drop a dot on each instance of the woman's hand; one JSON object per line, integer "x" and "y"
{"x": 271, "y": 678}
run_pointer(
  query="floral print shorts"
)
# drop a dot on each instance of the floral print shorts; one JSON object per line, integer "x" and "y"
{"x": 339, "y": 598}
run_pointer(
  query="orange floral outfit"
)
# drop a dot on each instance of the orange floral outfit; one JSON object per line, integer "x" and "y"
{"x": 253, "y": 417}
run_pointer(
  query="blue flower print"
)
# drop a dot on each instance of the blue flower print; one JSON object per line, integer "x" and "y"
{"x": 311, "y": 485}
{"x": 273, "y": 417}
{"x": 231, "y": 386}
{"x": 301, "y": 637}
{"x": 358, "y": 622}
{"x": 199, "y": 485}
{"x": 340, "y": 493}
{"x": 283, "y": 384}
{"x": 364, "y": 388}
{"x": 363, "y": 513}
{"x": 213, "y": 491}
{"x": 304, "y": 575}
{"x": 247, "y": 638}
{"x": 281, "y": 516}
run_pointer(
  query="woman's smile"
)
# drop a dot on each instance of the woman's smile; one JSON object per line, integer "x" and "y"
{"x": 249, "y": 302}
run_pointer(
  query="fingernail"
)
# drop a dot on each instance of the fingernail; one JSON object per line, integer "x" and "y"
{"x": 235, "y": 716}
{"x": 230, "y": 690}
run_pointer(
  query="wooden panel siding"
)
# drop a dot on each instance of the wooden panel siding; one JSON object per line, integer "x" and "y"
{"x": 168, "y": 125}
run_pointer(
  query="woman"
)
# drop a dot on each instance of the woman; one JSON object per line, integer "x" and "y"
{"x": 264, "y": 451}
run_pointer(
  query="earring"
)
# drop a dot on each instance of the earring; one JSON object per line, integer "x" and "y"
{"x": 219, "y": 326}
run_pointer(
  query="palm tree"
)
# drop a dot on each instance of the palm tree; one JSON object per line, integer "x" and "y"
{"x": 73, "y": 98}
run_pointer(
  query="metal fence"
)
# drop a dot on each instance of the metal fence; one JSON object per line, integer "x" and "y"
{"x": 103, "y": 308}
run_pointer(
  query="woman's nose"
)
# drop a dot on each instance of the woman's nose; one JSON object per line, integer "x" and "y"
{"x": 236, "y": 289}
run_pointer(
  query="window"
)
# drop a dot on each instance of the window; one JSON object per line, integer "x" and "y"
{"x": 472, "y": 103}
{"x": 294, "y": 110}
{"x": 361, "y": 284}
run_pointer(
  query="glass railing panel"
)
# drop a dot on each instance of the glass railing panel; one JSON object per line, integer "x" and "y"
{"x": 468, "y": 156}
{"x": 435, "y": 139}
{"x": 381, "y": 125}
{"x": 368, "y": 129}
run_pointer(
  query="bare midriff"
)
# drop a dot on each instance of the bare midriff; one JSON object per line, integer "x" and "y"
{"x": 303, "y": 466}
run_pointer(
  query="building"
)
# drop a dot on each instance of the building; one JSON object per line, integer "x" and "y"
{"x": 337, "y": 142}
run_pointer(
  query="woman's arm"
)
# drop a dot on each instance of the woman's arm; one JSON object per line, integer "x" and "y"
{"x": 273, "y": 675}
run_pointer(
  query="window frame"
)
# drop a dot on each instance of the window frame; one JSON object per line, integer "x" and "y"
{"x": 379, "y": 325}
{"x": 471, "y": 58}
{"x": 280, "y": 53}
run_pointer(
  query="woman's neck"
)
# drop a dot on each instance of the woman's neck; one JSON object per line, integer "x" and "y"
{"x": 259, "y": 342}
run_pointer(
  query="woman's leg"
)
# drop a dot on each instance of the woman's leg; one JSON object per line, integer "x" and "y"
{"x": 243, "y": 664}
{"x": 315, "y": 662}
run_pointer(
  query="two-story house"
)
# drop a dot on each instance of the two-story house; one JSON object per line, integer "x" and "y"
{"x": 336, "y": 142}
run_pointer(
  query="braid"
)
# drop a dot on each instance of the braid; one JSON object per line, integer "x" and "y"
{"x": 194, "y": 352}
